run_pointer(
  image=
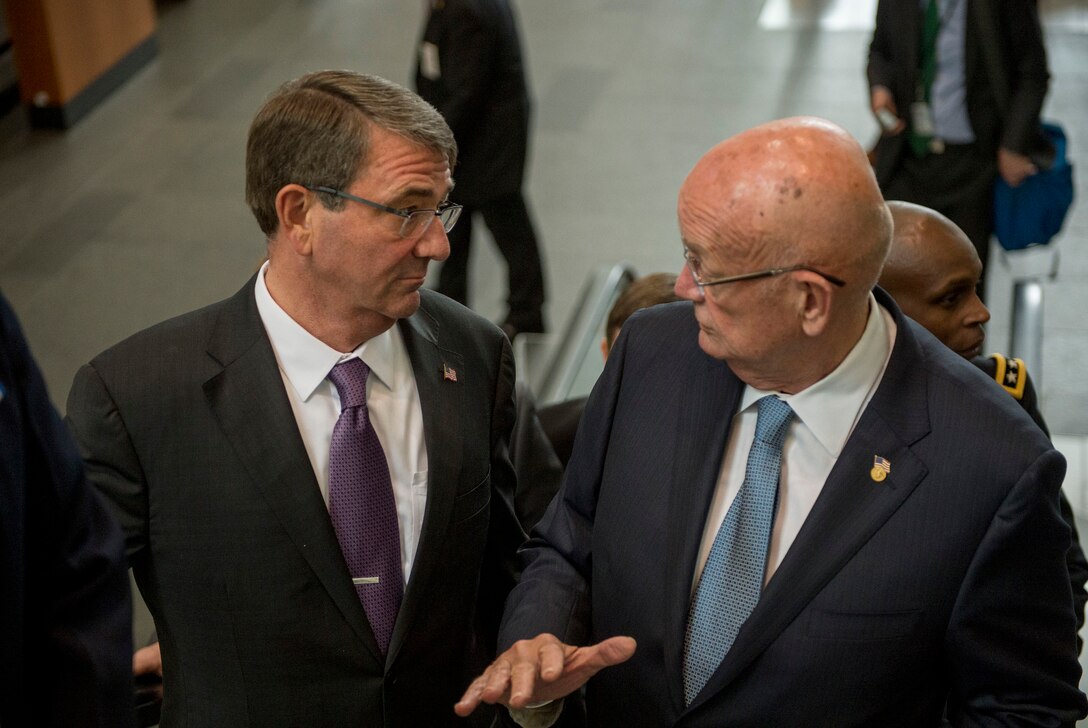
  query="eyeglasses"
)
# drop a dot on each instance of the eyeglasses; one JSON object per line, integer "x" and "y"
{"x": 415, "y": 222}
{"x": 701, "y": 283}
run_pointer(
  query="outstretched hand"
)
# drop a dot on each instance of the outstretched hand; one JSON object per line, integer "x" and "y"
{"x": 541, "y": 669}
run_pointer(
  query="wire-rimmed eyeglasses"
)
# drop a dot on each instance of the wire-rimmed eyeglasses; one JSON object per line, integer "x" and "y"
{"x": 701, "y": 283}
{"x": 415, "y": 222}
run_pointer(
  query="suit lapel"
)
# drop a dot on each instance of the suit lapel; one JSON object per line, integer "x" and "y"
{"x": 705, "y": 414}
{"x": 247, "y": 397}
{"x": 440, "y": 376}
{"x": 851, "y": 506}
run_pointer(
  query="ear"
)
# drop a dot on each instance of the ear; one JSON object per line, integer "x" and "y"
{"x": 295, "y": 206}
{"x": 814, "y": 302}
{"x": 604, "y": 348}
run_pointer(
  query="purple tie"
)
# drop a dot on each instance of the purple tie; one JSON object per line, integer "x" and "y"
{"x": 364, "y": 514}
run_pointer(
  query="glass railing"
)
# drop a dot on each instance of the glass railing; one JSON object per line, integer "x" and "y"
{"x": 573, "y": 363}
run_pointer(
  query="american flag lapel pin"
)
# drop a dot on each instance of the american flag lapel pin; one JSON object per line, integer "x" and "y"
{"x": 882, "y": 467}
{"x": 449, "y": 374}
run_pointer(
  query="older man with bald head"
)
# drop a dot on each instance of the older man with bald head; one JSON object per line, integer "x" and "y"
{"x": 787, "y": 504}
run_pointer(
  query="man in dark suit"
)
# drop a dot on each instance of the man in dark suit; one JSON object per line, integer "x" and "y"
{"x": 65, "y": 612}
{"x": 219, "y": 436}
{"x": 932, "y": 271}
{"x": 470, "y": 68}
{"x": 804, "y": 508}
{"x": 969, "y": 114}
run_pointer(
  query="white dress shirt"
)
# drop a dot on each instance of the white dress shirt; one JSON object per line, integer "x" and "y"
{"x": 826, "y": 414}
{"x": 392, "y": 400}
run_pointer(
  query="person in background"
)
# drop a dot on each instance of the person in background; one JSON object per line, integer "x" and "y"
{"x": 312, "y": 474}
{"x": 65, "y": 608}
{"x": 470, "y": 67}
{"x": 788, "y": 504}
{"x": 957, "y": 86}
{"x": 932, "y": 272}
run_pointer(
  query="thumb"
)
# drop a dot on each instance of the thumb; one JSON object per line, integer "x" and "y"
{"x": 615, "y": 650}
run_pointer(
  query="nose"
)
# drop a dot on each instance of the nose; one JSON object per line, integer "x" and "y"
{"x": 433, "y": 243}
{"x": 977, "y": 313}
{"x": 685, "y": 286}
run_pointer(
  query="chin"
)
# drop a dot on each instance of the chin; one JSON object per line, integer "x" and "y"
{"x": 406, "y": 306}
{"x": 710, "y": 346}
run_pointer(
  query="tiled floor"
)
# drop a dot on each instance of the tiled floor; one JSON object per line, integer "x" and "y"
{"x": 137, "y": 213}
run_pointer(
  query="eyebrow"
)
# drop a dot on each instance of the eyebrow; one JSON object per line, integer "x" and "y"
{"x": 955, "y": 286}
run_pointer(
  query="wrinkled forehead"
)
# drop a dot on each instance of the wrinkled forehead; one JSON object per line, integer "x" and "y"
{"x": 730, "y": 210}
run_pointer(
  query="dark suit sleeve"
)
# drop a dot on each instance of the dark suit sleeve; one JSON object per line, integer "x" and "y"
{"x": 881, "y": 69}
{"x": 553, "y": 595}
{"x": 109, "y": 455}
{"x": 1074, "y": 559}
{"x": 1026, "y": 69}
{"x": 891, "y": 65}
{"x": 66, "y": 604}
{"x": 1009, "y": 639}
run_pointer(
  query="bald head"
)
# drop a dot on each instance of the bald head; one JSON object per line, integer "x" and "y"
{"x": 798, "y": 189}
{"x": 794, "y": 193}
{"x": 932, "y": 272}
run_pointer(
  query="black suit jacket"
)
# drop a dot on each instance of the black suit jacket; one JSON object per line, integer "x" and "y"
{"x": 1020, "y": 76}
{"x": 945, "y": 583}
{"x": 65, "y": 614}
{"x": 480, "y": 89}
{"x": 187, "y": 429}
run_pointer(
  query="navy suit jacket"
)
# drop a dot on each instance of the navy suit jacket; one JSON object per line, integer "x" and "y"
{"x": 65, "y": 613}
{"x": 187, "y": 429}
{"x": 944, "y": 584}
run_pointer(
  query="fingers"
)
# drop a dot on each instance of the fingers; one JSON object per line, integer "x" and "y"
{"x": 511, "y": 678}
{"x": 474, "y": 694}
{"x": 541, "y": 669}
{"x": 553, "y": 657}
{"x": 881, "y": 98}
{"x": 538, "y": 661}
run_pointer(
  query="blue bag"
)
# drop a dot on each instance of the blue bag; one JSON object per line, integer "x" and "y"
{"x": 1033, "y": 213}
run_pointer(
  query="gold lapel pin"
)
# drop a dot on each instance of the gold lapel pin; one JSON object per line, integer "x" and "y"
{"x": 881, "y": 469}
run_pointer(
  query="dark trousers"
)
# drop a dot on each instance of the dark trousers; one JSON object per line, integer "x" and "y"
{"x": 510, "y": 226}
{"x": 959, "y": 184}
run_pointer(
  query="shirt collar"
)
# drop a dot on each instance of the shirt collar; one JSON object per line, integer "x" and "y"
{"x": 306, "y": 360}
{"x": 846, "y": 390}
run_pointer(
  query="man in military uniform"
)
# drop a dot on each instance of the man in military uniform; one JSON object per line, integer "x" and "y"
{"x": 932, "y": 271}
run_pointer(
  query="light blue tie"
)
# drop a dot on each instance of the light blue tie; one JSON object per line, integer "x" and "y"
{"x": 733, "y": 576}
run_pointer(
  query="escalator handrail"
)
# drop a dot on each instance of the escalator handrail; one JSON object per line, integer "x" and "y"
{"x": 582, "y": 331}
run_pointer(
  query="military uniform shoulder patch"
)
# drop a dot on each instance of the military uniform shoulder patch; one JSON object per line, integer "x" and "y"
{"x": 1011, "y": 373}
